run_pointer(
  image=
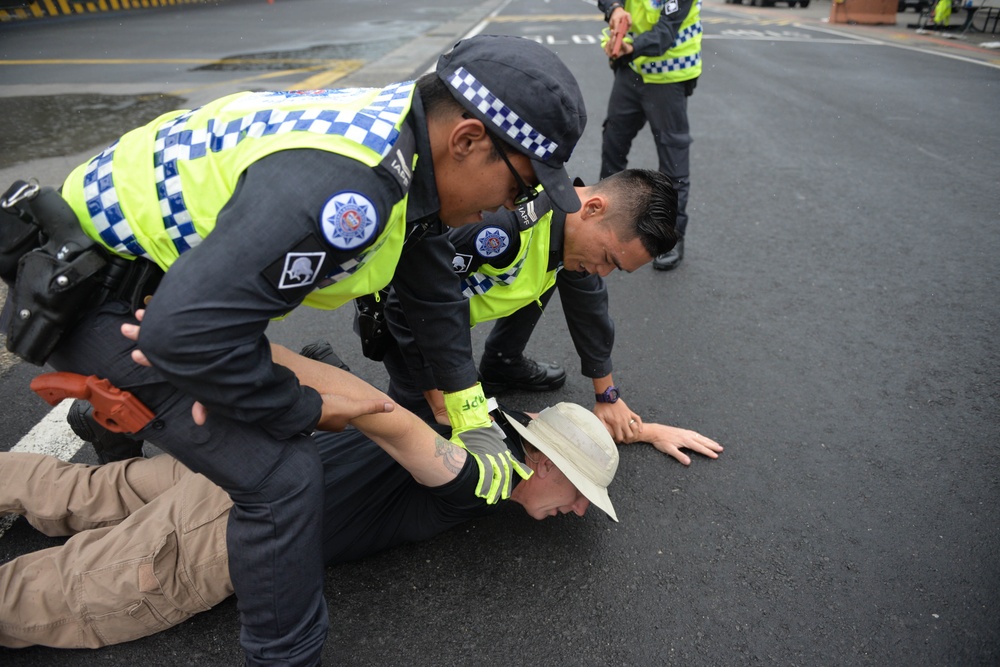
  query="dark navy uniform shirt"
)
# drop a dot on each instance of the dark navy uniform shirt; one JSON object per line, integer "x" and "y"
{"x": 372, "y": 502}
{"x": 216, "y": 301}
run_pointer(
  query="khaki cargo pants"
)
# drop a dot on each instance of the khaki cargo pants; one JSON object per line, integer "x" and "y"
{"x": 148, "y": 550}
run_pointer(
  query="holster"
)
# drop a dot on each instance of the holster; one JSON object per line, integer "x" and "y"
{"x": 371, "y": 324}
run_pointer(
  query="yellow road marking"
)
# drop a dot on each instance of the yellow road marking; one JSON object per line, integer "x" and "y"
{"x": 323, "y": 79}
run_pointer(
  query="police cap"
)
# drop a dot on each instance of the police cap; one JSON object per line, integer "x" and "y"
{"x": 528, "y": 96}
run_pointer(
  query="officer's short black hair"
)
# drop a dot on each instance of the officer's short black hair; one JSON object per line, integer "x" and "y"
{"x": 437, "y": 96}
{"x": 645, "y": 205}
{"x": 439, "y": 99}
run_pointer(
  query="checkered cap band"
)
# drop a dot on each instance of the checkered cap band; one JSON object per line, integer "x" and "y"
{"x": 501, "y": 115}
{"x": 373, "y": 127}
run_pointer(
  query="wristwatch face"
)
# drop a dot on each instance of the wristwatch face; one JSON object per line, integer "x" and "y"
{"x": 610, "y": 395}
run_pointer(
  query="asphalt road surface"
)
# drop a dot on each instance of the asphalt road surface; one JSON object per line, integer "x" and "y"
{"x": 833, "y": 325}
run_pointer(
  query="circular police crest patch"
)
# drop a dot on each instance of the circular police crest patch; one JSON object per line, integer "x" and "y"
{"x": 349, "y": 220}
{"x": 491, "y": 242}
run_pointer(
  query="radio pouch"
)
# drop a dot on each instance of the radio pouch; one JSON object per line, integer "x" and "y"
{"x": 49, "y": 297}
{"x": 371, "y": 325}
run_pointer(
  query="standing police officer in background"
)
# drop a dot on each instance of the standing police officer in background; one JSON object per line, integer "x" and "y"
{"x": 252, "y": 205}
{"x": 656, "y": 70}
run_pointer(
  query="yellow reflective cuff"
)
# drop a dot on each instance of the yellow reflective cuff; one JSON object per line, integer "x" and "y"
{"x": 467, "y": 409}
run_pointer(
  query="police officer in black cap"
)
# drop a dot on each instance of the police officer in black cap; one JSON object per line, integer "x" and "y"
{"x": 253, "y": 205}
{"x": 421, "y": 283}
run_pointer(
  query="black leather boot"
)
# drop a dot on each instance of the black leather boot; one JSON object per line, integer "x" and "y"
{"x": 500, "y": 374}
{"x": 109, "y": 446}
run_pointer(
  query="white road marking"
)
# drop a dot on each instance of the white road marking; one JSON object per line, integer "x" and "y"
{"x": 53, "y": 436}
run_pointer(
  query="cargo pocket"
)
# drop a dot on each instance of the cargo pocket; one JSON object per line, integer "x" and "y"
{"x": 124, "y": 601}
{"x": 203, "y": 574}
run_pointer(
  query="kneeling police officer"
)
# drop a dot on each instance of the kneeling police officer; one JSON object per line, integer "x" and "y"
{"x": 242, "y": 210}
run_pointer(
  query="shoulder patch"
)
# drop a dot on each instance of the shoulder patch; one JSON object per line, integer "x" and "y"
{"x": 300, "y": 266}
{"x": 461, "y": 262}
{"x": 491, "y": 242}
{"x": 349, "y": 220}
{"x": 300, "y": 269}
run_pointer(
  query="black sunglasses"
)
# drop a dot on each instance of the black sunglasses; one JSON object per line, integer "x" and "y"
{"x": 525, "y": 193}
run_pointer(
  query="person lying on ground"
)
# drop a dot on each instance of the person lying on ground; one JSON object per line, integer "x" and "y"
{"x": 148, "y": 546}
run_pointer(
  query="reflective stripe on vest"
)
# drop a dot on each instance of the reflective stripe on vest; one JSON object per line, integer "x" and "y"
{"x": 479, "y": 283}
{"x": 205, "y": 150}
{"x": 682, "y": 61}
{"x": 675, "y": 64}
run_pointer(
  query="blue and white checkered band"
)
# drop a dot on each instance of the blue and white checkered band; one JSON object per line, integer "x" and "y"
{"x": 686, "y": 34}
{"x": 373, "y": 127}
{"x": 501, "y": 115}
{"x": 480, "y": 283}
{"x": 105, "y": 211}
{"x": 676, "y": 64}
{"x": 349, "y": 220}
{"x": 174, "y": 143}
{"x": 671, "y": 64}
{"x": 491, "y": 241}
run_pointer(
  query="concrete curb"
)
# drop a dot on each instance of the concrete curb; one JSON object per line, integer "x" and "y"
{"x": 398, "y": 65}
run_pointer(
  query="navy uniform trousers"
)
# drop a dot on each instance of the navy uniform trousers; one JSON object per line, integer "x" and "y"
{"x": 275, "y": 528}
{"x": 664, "y": 105}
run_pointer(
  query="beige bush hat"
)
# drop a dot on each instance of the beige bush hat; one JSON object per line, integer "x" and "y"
{"x": 579, "y": 444}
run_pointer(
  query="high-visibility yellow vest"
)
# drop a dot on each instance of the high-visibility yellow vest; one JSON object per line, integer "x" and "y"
{"x": 157, "y": 191}
{"x": 682, "y": 61}
{"x": 497, "y": 292}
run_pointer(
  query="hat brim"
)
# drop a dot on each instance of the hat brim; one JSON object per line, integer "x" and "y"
{"x": 558, "y": 186}
{"x": 595, "y": 494}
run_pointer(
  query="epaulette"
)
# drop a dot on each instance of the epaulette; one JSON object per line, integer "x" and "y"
{"x": 528, "y": 214}
{"x": 399, "y": 160}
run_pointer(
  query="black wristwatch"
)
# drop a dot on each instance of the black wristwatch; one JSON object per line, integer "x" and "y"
{"x": 610, "y": 395}
{"x": 607, "y": 17}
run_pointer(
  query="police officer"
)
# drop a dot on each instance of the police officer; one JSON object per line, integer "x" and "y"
{"x": 511, "y": 263}
{"x": 656, "y": 71}
{"x": 259, "y": 202}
